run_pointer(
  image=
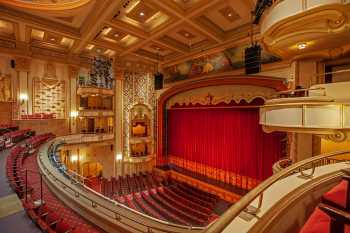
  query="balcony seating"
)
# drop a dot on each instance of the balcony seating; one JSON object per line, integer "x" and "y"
{"x": 46, "y": 211}
{"x": 146, "y": 208}
{"x": 332, "y": 215}
{"x": 177, "y": 211}
{"x": 163, "y": 211}
{"x": 192, "y": 198}
{"x": 181, "y": 205}
{"x": 6, "y": 128}
{"x": 12, "y": 138}
{"x": 339, "y": 196}
{"x": 198, "y": 193}
{"x": 168, "y": 202}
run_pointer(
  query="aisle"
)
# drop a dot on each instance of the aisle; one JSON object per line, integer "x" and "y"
{"x": 5, "y": 189}
{"x": 16, "y": 220}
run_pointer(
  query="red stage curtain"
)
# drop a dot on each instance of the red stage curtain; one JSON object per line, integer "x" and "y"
{"x": 225, "y": 138}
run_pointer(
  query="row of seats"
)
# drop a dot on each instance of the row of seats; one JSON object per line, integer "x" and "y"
{"x": 11, "y": 138}
{"x": 162, "y": 203}
{"x": 6, "y": 128}
{"x": 34, "y": 142}
{"x": 45, "y": 218}
{"x": 15, "y": 173}
{"x": 128, "y": 184}
{"x": 332, "y": 214}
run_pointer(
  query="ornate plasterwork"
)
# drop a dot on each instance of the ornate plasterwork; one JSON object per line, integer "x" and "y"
{"x": 138, "y": 88}
{"x": 5, "y": 88}
{"x": 320, "y": 27}
{"x": 221, "y": 94}
{"x": 47, "y": 5}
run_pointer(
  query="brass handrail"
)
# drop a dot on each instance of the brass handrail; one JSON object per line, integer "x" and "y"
{"x": 246, "y": 200}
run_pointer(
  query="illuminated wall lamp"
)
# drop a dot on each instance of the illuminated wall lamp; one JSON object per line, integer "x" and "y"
{"x": 74, "y": 114}
{"x": 119, "y": 157}
{"x": 23, "y": 97}
{"x": 74, "y": 158}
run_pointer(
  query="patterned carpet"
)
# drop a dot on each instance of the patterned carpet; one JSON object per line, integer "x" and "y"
{"x": 69, "y": 216}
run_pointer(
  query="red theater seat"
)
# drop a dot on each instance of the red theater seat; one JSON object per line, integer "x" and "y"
{"x": 338, "y": 196}
{"x": 61, "y": 227}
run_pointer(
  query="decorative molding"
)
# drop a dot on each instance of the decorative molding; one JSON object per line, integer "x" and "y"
{"x": 321, "y": 26}
{"x": 23, "y": 64}
{"x": 221, "y": 94}
{"x": 73, "y": 71}
{"x": 260, "y": 81}
{"x": 138, "y": 88}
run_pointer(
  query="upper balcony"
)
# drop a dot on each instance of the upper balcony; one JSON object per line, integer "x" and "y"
{"x": 298, "y": 28}
{"x": 93, "y": 91}
{"x": 323, "y": 109}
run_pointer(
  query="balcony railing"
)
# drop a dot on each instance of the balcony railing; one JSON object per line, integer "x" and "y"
{"x": 258, "y": 193}
{"x": 104, "y": 207}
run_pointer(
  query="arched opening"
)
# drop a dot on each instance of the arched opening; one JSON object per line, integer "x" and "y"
{"x": 217, "y": 135}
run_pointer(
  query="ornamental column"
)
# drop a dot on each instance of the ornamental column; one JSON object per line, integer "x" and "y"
{"x": 23, "y": 86}
{"x": 306, "y": 73}
{"x": 72, "y": 107}
{"x": 118, "y": 124}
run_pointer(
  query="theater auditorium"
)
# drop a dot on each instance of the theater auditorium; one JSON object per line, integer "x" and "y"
{"x": 175, "y": 116}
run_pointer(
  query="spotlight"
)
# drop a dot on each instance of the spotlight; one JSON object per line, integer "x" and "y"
{"x": 302, "y": 46}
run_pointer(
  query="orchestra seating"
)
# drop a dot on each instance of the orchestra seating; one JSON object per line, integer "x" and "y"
{"x": 332, "y": 215}
{"x": 45, "y": 210}
{"x": 167, "y": 200}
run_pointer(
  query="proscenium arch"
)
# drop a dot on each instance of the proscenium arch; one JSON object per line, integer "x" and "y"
{"x": 277, "y": 84}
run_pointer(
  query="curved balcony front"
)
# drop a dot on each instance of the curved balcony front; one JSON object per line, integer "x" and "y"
{"x": 296, "y": 28}
{"x": 325, "y": 110}
{"x": 275, "y": 205}
{"x": 108, "y": 214}
{"x": 87, "y": 138}
{"x": 90, "y": 90}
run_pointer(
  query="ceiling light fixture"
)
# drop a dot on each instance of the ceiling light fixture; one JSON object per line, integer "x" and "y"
{"x": 52, "y": 39}
{"x": 98, "y": 50}
{"x": 187, "y": 35}
{"x": 142, "y": 13}
{"x": 116, "y": 35}
{"x": 229, "y": 15}
{"x": 302, "y": 46}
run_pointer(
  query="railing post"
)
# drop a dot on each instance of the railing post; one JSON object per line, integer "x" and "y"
{"x": 26, "y": 184}
{"x": 41, "y": 188}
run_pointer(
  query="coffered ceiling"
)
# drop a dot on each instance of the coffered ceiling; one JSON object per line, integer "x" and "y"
{"x": 159, "y": 31}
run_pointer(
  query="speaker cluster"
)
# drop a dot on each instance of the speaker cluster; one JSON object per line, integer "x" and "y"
{"x": 252, "y": 59}
{"x": 158, "y": 81}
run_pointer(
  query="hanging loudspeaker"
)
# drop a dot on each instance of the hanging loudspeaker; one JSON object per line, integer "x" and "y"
{"x": 13, "y": 64}
{"x": 158, "y": 81}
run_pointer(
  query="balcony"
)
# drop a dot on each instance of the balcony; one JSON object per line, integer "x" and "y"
{"x": 87, "y": 138}
{"x": 90, "y": 90}
{"x": 323, "y": 109}
{"x": 294, "y": 28}
{"x": 95, "y": 113}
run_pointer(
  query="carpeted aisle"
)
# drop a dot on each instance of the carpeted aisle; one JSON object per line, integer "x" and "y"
{"x": 69, "y": 216}
{"x": 15, "y": 220}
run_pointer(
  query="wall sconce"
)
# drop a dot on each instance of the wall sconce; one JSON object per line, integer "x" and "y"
{"x": 23, "y": 97}
{"x": 119, "y": 157}
{"x": 74, "y": 114}
{"x": 74, "y": 158}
